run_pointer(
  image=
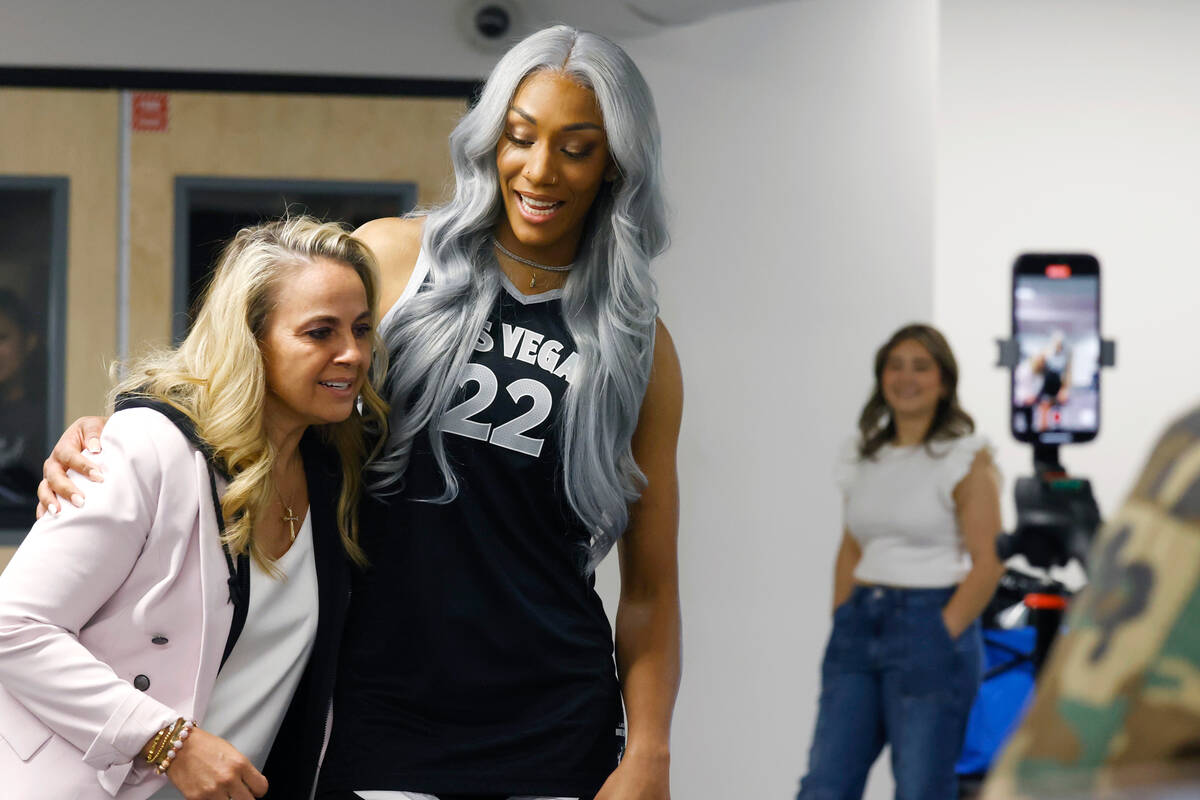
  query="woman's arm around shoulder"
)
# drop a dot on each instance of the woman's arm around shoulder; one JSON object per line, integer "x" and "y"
{"x": 648, "y": 617}
{"x": 396, "y": 243}
{"x": 68, "y": 454}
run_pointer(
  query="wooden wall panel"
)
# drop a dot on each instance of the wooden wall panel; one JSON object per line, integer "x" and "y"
{"x": 73, "y": 134}
{"x": 56, "y": 132}
{"x": 311, "y": 137}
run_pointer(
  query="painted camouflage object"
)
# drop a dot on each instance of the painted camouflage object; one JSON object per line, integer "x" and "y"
{"x": 1118, "y": 705}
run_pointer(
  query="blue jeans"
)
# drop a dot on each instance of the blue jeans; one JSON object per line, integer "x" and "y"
{"x": 892, "y": 675}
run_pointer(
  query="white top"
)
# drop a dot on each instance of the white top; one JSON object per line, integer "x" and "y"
{"x": 899, "y": 507}
{"x": 253, "y": 689}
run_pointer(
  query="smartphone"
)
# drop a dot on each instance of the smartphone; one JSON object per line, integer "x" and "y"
{"x": 1056, "y": 325}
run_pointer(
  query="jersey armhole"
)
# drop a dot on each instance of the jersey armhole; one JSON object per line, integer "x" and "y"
{"x": 420, "y": 271}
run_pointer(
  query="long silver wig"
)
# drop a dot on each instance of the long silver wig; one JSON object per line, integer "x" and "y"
{"x": 609, "y": 300}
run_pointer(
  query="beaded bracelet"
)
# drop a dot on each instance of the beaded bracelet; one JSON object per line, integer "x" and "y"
{"x": 165, "y": 757}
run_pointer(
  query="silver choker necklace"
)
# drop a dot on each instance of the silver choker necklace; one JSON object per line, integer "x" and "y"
{"x": 534, "y": 264}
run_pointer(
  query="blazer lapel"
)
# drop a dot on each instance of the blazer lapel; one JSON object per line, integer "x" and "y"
{"x": 214, "y": 586}
{"x": 319, "y": 465}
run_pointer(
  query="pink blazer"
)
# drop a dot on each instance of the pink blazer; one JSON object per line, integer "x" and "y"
{"x": 113, "y": 619}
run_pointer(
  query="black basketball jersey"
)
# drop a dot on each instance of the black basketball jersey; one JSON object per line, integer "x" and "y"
{"x": 478, "y": 657}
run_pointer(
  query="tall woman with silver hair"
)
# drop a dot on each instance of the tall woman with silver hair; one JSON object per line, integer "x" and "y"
{"x": 538, "y": 404}
{"x": 536, "y": 408}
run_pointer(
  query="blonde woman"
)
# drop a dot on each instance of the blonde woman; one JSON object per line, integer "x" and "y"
{"x": 119, "y": 620}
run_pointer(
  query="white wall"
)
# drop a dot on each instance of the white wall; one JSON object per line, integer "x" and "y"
{"x": 798, "y": 145}
{"x": 1073, "y": 125}
{"x": 410, "y": 38}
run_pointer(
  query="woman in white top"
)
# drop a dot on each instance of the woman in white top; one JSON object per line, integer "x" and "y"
{"x": 917, "y": 565}
{"x": 120, "y": 619}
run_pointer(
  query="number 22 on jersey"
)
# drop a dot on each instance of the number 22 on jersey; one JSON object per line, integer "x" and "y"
{"x": 511, "y": 434}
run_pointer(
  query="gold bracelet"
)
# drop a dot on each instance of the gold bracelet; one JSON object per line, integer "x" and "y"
{"x": 178, "y": 736}
{"x": 152, "y": 745}
{"x": 161, "y": 741}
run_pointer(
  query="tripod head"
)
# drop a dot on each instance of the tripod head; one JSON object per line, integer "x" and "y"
{"x": 1057, "y": 515}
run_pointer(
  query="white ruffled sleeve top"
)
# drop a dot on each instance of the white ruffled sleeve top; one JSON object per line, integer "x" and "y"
{"x": 899, "y": 507}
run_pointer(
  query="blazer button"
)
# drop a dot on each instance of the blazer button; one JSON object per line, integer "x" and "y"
{"x": 141, "y": 683}
{"x": 159, "y": 640}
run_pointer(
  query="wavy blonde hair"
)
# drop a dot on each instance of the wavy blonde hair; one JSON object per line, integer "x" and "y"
{"x": 216, "y": 376}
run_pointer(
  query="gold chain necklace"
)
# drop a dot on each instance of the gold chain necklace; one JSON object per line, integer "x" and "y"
{"x": 534, "y": 264}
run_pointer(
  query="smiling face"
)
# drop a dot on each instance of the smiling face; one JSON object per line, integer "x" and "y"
{"x": 911, "y": 381}
{"x": 552, "y": 160}
{"x": 316, "y": 345}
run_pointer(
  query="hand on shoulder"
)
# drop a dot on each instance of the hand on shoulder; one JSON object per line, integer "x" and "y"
{"x": 396, "y": 243}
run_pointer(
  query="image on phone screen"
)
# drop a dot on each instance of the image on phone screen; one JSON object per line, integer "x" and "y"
{"x": 1056, "y": 325}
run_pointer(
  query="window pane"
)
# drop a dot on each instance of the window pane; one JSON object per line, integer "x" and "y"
{"x": 216, "y": 208}
{"x": 28, "y": 255}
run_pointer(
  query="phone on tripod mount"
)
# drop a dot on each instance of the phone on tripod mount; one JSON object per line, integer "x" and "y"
{"x": 1056, "y": 332}
{"x": 1055, "y": 355}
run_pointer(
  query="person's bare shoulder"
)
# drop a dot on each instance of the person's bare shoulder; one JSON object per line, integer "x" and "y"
{"x": 662, "y": 405}
{"x": 396, "y": 243}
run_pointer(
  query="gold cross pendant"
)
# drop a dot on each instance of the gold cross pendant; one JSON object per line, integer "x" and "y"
{"x": 291, "y": 519}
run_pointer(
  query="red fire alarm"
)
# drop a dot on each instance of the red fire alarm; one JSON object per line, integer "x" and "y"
{"x": 149, "y": 111}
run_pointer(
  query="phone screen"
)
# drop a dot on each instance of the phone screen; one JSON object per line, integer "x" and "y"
{"x": 1056, "y": 324}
